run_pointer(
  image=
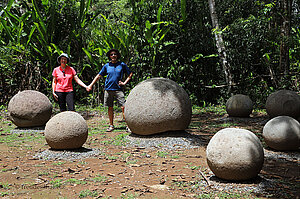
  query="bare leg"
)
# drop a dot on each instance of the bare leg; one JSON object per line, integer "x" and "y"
{"x": 111, "y": 115}
{"x": 123, "y": 108}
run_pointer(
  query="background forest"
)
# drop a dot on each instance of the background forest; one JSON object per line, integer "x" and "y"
{"x": 212, "y": 48}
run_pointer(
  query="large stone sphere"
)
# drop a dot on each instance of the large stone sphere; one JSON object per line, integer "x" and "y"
{"x": 235, "y": 154}
{"x": 66, "y": 130}
{"x": 239, "y": 106}
{"x": 29, "y": 108}
{"x": 283, "y": 102}
{"x": 282, "y": 133}
{"x": 157, "y": 105}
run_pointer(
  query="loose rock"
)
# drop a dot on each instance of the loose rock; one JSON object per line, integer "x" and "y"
{"x": 282, "y": 133}
{"x": 29, "y": 108}
{"x": 239, "y": 106}
{"x": 157, "y": 105}
{"x": 283, "y": 102}
{"x": 235, "y": 154}
{"x": 66, "y": 130}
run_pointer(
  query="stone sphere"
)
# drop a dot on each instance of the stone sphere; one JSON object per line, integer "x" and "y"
{"x": 157, "y": 105}
{"x": 239, "y": 106}
{"x": 66, "y": 130}
{"x": 29, "y": 108}
{"x": 283, "y": 102}
{"x": 282, "y": 133}
{"x": 235, "y": 154}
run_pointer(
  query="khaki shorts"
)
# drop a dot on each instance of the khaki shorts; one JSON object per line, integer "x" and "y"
{"x": 110, "y": 95}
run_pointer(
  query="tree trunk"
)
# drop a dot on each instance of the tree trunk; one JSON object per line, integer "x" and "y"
{"x": 285, "y": 26}
{"x": 220, "y": 44}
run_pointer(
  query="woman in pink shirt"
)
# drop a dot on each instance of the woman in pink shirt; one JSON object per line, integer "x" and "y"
{"x": 62, "y": 87}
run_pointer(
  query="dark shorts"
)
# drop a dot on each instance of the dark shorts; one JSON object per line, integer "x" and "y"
{"x": 110, "y": 95}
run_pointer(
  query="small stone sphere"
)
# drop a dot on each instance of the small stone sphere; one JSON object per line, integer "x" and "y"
{"x": 282, "y": 133}
{"x": 283, "y": 102}
{"x": 239, "y": 106}
{"x": 29, "y": 108}
{"x": 66, "y": 130}
{"x": 235, "y": 154}
{"x": 157, "y": 105}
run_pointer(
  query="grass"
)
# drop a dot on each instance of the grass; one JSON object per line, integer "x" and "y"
{"x": 2, "y": 194}
{"x": 131, "y": 162}
{"x": 118, "y": 140}
{"x": 17, "y": 139}
{"x": 56, "y": 183}
{"x": 88, "y": 193}
{"x": 162, "y": 154}
{"x": 129, "y": 196}
{"x": 216, "y": 109}
{"x": 75, "y": 181}
{"x": 43, "y": 173}
{"x": 99, "y": 178}
{"x": 4, "y": 185}
{"x": 175, "y": 156}
{"x": 58, "y": 163}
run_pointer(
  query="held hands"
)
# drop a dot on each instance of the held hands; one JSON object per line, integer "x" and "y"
{"x": 121, "y": 83}
{"x": 88, "y": 88}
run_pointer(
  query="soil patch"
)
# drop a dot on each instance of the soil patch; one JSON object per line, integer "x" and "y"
{"x": 122, "y": 165}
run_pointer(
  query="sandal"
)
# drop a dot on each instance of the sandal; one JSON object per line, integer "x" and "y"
{"x": 128, "y": 129}
{"x": 110, "y": 128}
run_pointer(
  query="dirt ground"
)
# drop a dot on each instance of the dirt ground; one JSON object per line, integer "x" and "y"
{"x": 120, "y": 171}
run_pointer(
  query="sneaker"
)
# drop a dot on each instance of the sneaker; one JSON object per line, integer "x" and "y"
{"x": 110, "y": 128}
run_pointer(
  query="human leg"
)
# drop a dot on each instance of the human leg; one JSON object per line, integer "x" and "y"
{"x": 111, "y": 115}
{"x": 121, "y": 101}
{"x": 70, "y": 101}
{"x": 123, "y": 108}
{"x": 108, "y": 101}
{"x": 61, "y": 101}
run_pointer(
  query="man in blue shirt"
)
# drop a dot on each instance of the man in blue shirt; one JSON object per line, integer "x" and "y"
{"x": 114, "y": 71}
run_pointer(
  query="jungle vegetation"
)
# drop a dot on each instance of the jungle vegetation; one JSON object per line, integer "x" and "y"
{"x": 212, "y": 48}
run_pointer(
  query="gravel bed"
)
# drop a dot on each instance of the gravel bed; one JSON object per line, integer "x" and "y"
{"x": 28, "y": 130}
{"x": 282, "y": 155}
{"x": 167, "y": 140}
{"x": 257, "y": 185}
{"x": 80, "y": 153}
{"x": 258, "y": 120}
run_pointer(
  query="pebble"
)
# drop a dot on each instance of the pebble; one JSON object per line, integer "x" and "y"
{"x": 168, "y": 140}
{"x": 80, "y": 153}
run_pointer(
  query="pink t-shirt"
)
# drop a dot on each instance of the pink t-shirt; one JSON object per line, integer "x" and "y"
{"x": 64, "y": 78}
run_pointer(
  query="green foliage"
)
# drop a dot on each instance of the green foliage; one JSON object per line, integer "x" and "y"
{"x": 159, "y": 38}
{"x": 162, "y": 154}
{"x": 56, "y": 183}
{"x": 87, "y": 193}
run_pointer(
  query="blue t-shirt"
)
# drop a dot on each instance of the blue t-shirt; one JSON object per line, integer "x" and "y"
{"x": 114, "y": 73}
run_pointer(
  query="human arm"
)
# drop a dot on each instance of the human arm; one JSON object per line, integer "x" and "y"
{"x": 93, "y": 82}
{"x": 53, "y": 88}
{"x": 79, "y": 82}
{"x": 127, "y": 80}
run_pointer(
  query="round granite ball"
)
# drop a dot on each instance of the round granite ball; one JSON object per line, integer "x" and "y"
{"x": 66, "y": 130}
{"x": 235, "y": 154}
{"x": 239, "y": 106}
{"x": 29, "y": 108}
{"x": 282, "y": 133}
{"x": 283, "y": 102}
{"x": 157, "y": 105}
